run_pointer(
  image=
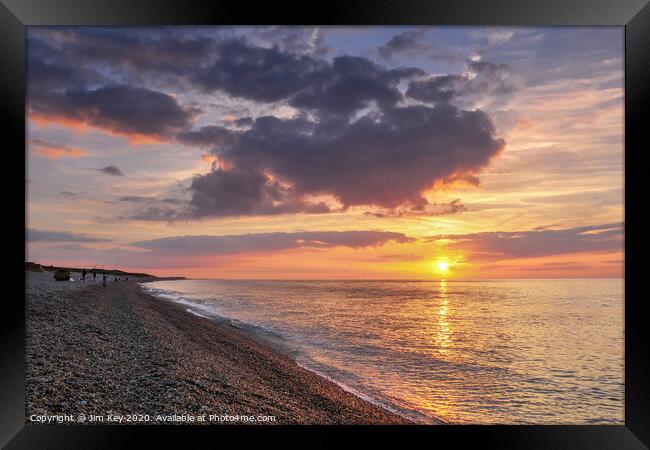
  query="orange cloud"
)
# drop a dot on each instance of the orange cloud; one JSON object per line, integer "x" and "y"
{"x": 216, "y": 162}
{"x": 75, "y": 125}
{"x": 83, "y": 126}
{"x": 456, "y": 181}
{"x": 208, "y": 159}
{"x": 51, "y": 151}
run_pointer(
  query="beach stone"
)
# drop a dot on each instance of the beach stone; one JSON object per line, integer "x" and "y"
{"x": 62, "y": 275}
{"x": 120, "y": 350}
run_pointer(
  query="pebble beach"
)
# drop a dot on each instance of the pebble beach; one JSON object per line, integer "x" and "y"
{"x": 119, "y": 352}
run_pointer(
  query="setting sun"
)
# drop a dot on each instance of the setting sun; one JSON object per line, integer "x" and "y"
{"x": 442, "y": 266}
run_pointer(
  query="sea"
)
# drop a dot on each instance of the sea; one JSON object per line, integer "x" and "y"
{"x": 459, "y": 352}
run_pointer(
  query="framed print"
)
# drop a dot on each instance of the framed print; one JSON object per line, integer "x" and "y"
{"x": 379, "y": 218}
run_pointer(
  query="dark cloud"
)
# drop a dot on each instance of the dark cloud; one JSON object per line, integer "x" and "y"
{"x": 412, "y": 44}
{"x": 160, "y": 51}
{"x": 402, "y": 43}
{"x": 60, "y": 236}
{"x": 111, "y": 170}
{"x": 244, "y": 192}
{"x": 232, "y": 244}
{"x": 483, "y": 81}
{"x": 244, "y": 122}
{"x": 208, "y": 136}
{"x": 174, "y": 201}
{"x": 505, "y": 245}
{"x": 360, "y": 146}
{"x": 269, "y": 74}
{"x": 306, "y": 40}
{"x": 256, "y": 73}
{"x": 350, "y": 84}
{"x": 156, "y": 213}
{"x": 353, "y": 139}
{"x": 440, "y": 89}
{"x": 121, "y": 109}
{"x": 175, "y": 54}
{"x": 90, "y": 76}
{"x": 48, "y": 69}
{"x": 151, "y": 209}
{"x": 69, "y": 194}
{"x": 386, "y": 160}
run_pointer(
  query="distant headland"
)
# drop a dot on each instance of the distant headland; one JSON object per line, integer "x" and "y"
{"x": 35, "y": 267}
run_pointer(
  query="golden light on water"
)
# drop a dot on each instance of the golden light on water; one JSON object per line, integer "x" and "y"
{"x": 443, "y": 336}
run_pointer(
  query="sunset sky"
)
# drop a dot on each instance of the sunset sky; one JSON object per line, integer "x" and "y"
{"x": 302, "y": 152}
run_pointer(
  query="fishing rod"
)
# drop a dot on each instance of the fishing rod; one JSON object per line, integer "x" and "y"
{"x": 94, "y": 269}
{"x": 105, "y": 261}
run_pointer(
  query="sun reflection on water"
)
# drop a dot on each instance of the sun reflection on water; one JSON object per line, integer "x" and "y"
{"x": 443, "y": 334}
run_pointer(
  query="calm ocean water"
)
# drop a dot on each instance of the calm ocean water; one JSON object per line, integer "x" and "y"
{"x": 511, "y": 352}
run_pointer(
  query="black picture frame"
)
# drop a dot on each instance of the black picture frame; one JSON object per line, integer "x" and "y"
{"x": 15, "y": 15}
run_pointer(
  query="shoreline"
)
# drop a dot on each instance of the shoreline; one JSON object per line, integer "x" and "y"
{"x": 121, "y": 350}
{"x": 270, "y": 338}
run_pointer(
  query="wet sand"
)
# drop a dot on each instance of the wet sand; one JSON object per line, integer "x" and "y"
{"x": 119, "y": 351}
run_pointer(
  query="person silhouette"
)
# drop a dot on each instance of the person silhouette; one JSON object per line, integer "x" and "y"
{"x": 83, "y": 275}
{"x": 104, "y": 277}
